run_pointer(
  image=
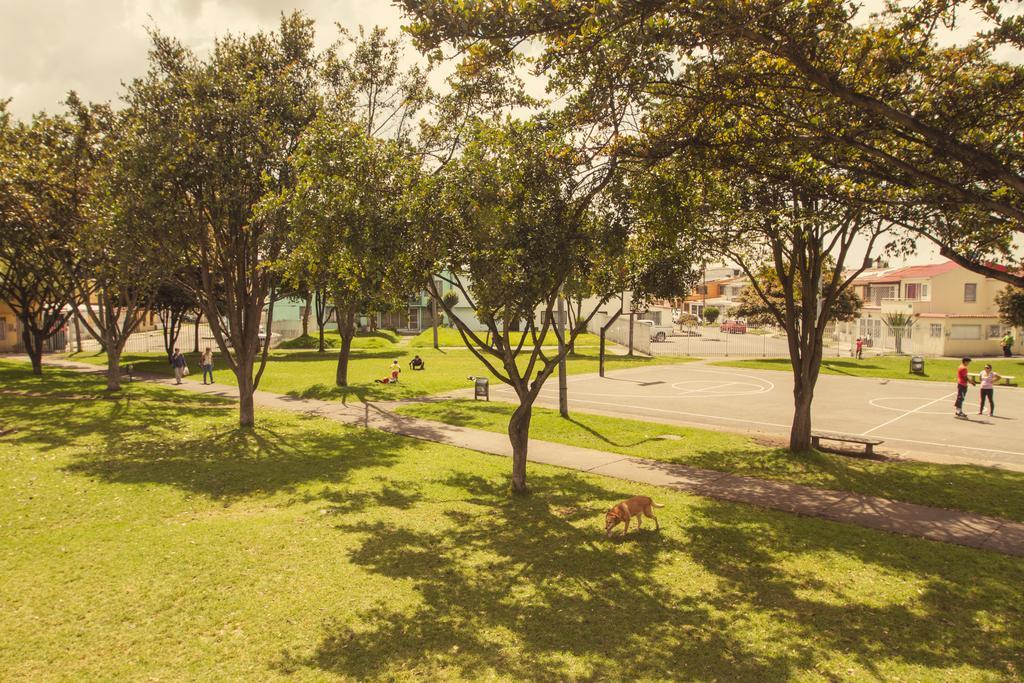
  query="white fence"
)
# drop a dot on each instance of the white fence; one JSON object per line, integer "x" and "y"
{"x": 619, "y": 332}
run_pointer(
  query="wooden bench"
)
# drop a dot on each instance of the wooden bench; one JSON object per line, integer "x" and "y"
{"x": 868, "y": 442}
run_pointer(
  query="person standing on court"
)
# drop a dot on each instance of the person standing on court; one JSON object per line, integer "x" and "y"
{"x": 988, "y": 379}
{"x": 860, "y": 348}
{"x": 1007, "y": 344}
{"x": 206, "y": 362}
{"x": 962, "y": 378}
{"x": 179, "y": 364}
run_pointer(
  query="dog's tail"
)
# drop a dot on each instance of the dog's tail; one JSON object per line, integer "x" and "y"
{"x": 656, "y": 505}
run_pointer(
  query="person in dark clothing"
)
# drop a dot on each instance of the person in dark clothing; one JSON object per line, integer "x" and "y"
{"x": 179, "y": 364}
{"x": 417, "y": 363}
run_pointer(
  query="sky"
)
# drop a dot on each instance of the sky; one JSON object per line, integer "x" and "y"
{"x": 48, "y": 47}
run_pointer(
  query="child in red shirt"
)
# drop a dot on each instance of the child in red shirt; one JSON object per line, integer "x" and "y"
{"x": 962, "y": 378}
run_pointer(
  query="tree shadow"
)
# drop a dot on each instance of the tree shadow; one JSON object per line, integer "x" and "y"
{"x": 522, "y": 567}
{"x": 526, "y": 588}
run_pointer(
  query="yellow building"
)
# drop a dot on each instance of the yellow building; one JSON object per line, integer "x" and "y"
{"x": 10, "y": 332}
{"x": 953, "y": 310}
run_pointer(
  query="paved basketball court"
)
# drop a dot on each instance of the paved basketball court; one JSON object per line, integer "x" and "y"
{"x": 913, "y": 417}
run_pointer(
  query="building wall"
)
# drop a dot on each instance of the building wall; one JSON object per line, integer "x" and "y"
{"x": 946, "y": 293}
{"x": 10, "y": 332}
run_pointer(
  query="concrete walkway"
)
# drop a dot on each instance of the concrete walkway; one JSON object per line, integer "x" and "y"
{"x": 937, "y": 524}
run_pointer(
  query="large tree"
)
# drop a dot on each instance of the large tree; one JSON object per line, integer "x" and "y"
{"x": 802, "y": 242}
{"x": 887, "y": 97}
{"x": 221, "y": 131}
{"x": 357, "y": 164}
{"x": 120, "y": 272}
{"x": 516, "y": 219}
{"x": 47, "y": 170}
{"x": 350, "y": 221}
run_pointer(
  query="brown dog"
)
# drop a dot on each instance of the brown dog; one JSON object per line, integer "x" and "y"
{"x": 637, "y": 506}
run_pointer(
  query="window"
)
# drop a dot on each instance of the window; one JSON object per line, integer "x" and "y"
{"x": 965, "y": 332}
{"x": 3, "y": 329}
{"x": 924, "y": 292}
{"x": 935, "y": 329}
{"x": 970, "y": 292}
{"x": 913, "y": 292}
{"x": 995, "y": 331}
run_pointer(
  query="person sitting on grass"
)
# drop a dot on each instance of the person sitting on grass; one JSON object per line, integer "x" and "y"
{"x": 417, "y": 363}
{"x": 393, "y": 377}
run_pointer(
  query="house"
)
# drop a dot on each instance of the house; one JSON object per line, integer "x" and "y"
{"x": 952, "y": 310}
{"x": 10, "y": 332}
{"x": 722, "y": 292}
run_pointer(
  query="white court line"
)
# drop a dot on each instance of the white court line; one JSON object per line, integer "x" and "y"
{"x": 909, "y": 412}
{"x": 680, "y": 412}
{"x": 953, "y": 445}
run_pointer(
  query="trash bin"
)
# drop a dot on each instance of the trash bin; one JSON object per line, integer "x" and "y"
{"x": 482, "y": 390}
{"x": 917, "y": 365}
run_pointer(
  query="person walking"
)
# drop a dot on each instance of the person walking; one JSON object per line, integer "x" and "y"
{"x": 859, "y": 345}
{"x": 180, "y": 365}
{"x": 206, "y": 363}
{"x": 987, "y": 378}
{"x": 962, "y": 379}
{"x": 1007, "y": 344}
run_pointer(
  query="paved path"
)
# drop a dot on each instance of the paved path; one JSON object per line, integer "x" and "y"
{"x": 937, "y": 524}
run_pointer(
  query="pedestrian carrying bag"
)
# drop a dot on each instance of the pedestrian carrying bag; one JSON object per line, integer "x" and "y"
{"x": 184, "y": 371}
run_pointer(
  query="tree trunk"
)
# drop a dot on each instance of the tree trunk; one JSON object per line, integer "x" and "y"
{"x": 305, "y": 315}
{"x": 78, "y": 334}
{"x": 433, "y": 319}
{"x": 563, "y": 387}
{"x": 33, "y": 347}
{"x": 113, "y": 368}
{"x": 800, "y": 433}
{"x": 519, "y": 435}
{"x": 195, "y": 342}
{"x": 246, "y": 406}
{"x": 347, "y": 329}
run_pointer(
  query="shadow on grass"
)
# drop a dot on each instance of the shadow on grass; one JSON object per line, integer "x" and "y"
{"x": 513, "y": 588}
{"x": 160, "y": 436}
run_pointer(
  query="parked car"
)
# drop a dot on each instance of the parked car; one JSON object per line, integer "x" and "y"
{"x": 660, "y": 333}
{"x": 733, "y": 327}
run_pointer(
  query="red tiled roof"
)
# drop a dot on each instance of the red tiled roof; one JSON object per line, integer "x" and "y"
{"x": 927, "y": 270}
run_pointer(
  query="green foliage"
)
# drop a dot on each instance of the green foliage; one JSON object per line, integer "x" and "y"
{"x": 755, "y": 311}
{"x": 47, "y": 173}
{"x": 1011, "y": 306}
{"x": 216, "y": 138}
{"x": 711, "y": 314}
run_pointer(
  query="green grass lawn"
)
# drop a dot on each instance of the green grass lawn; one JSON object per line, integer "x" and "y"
{"x": 890, "y": 367}
{"x": 381, "y": 339}
{"x": 145, "y": 537}
{"x": 308, "y": 374}
{"x": 967, "y": 487}
{"x": 449, "y": 336}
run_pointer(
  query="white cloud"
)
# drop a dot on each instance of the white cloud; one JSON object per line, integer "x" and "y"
{"x": 49, "y": 47}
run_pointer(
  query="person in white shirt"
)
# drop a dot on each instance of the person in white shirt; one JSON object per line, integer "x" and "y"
{"x": 987, "y": 378}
